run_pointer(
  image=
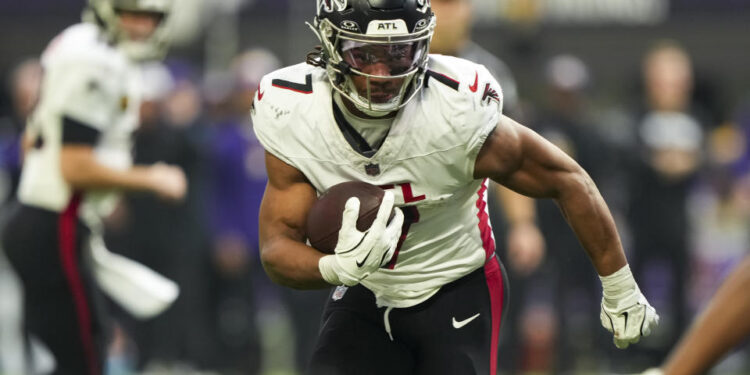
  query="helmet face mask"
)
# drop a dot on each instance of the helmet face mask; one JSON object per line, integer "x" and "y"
{"x": 106, "y": 14}
{"x": 380, "y": 68}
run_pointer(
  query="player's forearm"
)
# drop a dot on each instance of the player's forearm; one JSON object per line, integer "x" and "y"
{"x": 293, "y": 264}
{"x": 588, "y": 215}
{"x": 96, "y": 176}
{"x": 720, "y": 327}
{"x": 81, "y": 170}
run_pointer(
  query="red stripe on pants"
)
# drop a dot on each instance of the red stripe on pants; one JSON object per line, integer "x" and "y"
{"x": 494, "y": 276}
{"x": 69, "y": 260}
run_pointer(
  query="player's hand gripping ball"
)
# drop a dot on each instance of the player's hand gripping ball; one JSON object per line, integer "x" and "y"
{"x": 324, "y": 218}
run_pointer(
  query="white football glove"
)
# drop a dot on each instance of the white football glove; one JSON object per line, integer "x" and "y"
{"x": 625, "y": 311}
{"x": 358, "y": 254}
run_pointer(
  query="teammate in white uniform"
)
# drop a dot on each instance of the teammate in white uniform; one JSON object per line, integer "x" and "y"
{"x": 77, "y": 155}
{"x": 425, "y": 291}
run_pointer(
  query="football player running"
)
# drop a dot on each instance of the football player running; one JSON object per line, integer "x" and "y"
{"x": 370, "y": 104}
{"x": 77, "y": 153}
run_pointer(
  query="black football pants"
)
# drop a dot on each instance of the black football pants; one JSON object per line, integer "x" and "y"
{"x": 454, "y": 332}
{"x": 45, "y": 249}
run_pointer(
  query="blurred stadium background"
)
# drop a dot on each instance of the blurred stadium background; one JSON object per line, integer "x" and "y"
{"x": 652, "y": 97}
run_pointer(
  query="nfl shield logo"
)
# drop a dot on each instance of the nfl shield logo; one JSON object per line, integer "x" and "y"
{"x": 372, "y": 169}
{"x": 339, "y": 292}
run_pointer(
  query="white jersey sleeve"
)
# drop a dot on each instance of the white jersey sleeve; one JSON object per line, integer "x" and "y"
{"x": 83, "y": 79}
{"x": 85, "y": 93}
{"x": 469, "y": 99}
{"x": 281, "y": 112}
{"x": 487, "y": 102}
{"x": 268, "y": 124}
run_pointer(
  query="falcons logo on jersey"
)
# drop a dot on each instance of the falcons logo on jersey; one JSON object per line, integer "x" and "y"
{"x": 490, "y": 95}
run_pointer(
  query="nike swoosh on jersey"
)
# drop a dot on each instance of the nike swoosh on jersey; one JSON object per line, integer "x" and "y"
{"x": 459, "y": 324}
{"x": 474, "y": 87}
{"x": 260, "y": 95}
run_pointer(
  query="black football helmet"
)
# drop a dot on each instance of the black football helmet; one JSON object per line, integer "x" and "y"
{"x": 382, "y": 44}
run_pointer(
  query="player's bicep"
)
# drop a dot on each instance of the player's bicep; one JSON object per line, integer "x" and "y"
{"x": 286, "y": 202}
{"x": 524, "y": 161}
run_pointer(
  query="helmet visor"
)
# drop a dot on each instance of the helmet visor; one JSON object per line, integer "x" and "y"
{"x": 383, "y": 59}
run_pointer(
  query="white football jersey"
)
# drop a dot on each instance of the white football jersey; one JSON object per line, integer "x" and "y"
{"x": 89, "y": 81}
{"x": 426, "y": 160}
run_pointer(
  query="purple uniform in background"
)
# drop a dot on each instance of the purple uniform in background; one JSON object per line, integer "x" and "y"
{"x": 239, "y": 179}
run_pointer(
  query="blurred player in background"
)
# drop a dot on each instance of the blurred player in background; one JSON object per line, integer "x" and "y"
{"x": 370, "y": 105}
{"x": 722, "y": 326}
{"x": 663, "y": 166}
{"x": 77, "y": 153}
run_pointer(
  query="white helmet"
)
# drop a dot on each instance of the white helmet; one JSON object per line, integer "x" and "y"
{"x": 104, "y": 14}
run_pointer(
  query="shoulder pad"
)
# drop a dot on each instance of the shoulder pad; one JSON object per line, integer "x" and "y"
{"x": 465, "y": 78}
{"x": 280, "y": 104}
{"x": 82, "y": 45}
{"x": 467, "y": 98}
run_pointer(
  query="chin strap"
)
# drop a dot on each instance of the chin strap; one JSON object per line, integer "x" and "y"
{"x": 316, "y": 57}
{"x": 343, "y": 67}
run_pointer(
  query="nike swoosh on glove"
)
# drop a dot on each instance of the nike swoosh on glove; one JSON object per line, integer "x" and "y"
{"x": 358, "y": 254}
{"x": 625, "y": 311}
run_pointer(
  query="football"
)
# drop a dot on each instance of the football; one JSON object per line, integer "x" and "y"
{"x": 324, "y": 218}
